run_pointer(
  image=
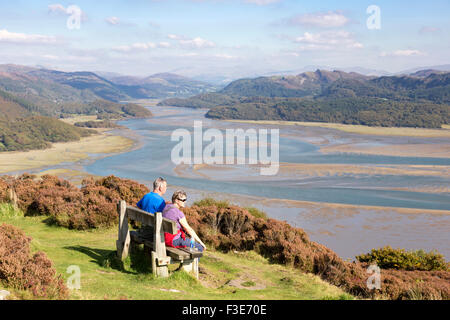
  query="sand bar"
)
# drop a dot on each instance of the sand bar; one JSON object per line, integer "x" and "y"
{"x": 64, "y": 152}
{"x": 381, "y": 131}
{"x": 432, "y": 150}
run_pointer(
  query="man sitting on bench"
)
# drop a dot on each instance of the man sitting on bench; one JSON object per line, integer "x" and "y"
{"x": 153, "y": 202}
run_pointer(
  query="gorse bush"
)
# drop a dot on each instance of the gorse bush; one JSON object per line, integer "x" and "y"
{"x": 256, "y": 212}
{"x": 23, "y": 271}
{"x": 400, "y": 259}
{"x": 206, "y": 202}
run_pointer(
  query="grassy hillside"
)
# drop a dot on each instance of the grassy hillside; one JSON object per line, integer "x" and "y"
{"x": 235, "y": 275}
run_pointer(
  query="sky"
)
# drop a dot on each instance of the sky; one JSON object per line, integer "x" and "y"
{"x": 224, "y": 38}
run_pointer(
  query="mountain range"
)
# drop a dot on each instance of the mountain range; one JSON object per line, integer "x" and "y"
{"x": 57, "y": 86}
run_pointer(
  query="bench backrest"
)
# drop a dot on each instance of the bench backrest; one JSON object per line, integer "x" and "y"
{"x": 159, "y": 224}
{"x": 149, "y": 219}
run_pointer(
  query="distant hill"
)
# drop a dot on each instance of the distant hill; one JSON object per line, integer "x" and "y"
{"x": 84, "y": 81}
{"x": 36, "y": 132}
{"x": 32, "y": 100}
{"x": 302, "y": 85}
{"x": 50, "y": 87}
{"x": 444, "y": 67}
{"x": 421, "y": 100}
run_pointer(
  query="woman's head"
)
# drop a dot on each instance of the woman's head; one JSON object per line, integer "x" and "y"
{"x": 179, "y": 198}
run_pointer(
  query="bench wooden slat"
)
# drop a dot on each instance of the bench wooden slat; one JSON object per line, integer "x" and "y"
{"x": 148, "y": 219}
{"x": 193, "y": 255}
{"x": 177, "y": 254}
{"x": 174, "y": 253}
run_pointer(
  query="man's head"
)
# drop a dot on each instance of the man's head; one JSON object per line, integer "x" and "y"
{"x": 179, "y": 198}
{"x": 160, "y": 186}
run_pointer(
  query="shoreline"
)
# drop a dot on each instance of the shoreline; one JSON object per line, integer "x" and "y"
{"x": 360, "y": 129}
{"x": 103, "y": 143}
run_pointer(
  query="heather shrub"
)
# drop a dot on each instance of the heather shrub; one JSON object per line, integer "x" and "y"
{"x": 124, "y": 189}
{"x": 3, "y": 189}
{"x": 20, "y": 270}
{"x": 228, "y": 227}
{"x": 400, "y": 259}
{"x": 92, "y": 206}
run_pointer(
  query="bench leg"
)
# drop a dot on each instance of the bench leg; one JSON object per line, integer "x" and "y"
{"x": 191, "y": 266}
{"x": 159, "y": 271}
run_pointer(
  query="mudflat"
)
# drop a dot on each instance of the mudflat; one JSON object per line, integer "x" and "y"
{"x": 64, "y": 152}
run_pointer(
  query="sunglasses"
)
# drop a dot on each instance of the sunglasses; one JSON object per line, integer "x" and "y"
{"x": 183, "y": 200}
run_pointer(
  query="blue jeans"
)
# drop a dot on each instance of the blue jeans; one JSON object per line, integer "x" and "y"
{"x": 187, "y": 243}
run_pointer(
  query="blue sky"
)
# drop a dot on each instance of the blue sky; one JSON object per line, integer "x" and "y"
{"x": 231, "y": 38}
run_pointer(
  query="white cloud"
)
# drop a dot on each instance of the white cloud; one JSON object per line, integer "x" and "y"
{"x": 224, "y": 56}
{"x": 6, "y": 36}
{"x": 262, "y": 2}
{"x": 57, "y": 8}
{"x": 403, "y": 53}
{"x": 113, "y": 21}
{"x": 425, "y": 30}
{"x": 164, "y": 45}
{"x": 175, "y": 37}
{"x": 330, "y": 19}
{"x": 142, "y": 46}
{"x": 70, "y": 10}
{"x": 197, "y": 43}
{"x": 328, "y": 41}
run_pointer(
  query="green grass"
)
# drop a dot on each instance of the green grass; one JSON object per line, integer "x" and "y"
{"x": 103, "y": 276}
{"x": 8, "y": 211}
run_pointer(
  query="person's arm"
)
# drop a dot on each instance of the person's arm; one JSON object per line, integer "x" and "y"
{"x": 191, "y": 231}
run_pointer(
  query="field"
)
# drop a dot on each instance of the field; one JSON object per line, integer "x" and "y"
{"x": 235, "y": 275}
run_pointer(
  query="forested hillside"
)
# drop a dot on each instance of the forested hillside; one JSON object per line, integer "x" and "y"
{"x": 404, "y": 101}
{"x": 36, "y": 132}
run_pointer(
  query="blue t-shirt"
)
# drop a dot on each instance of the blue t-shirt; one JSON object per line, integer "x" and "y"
{"x": 152, "y": 203}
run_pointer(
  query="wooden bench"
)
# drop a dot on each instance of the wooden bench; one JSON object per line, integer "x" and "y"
{"x": 161, "y": 256}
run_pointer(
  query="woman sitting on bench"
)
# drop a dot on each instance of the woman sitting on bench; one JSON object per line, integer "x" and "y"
{"x": 172, "y": 211}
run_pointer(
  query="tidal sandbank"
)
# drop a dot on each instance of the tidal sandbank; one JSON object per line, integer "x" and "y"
{"x": 100, "y": 144}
